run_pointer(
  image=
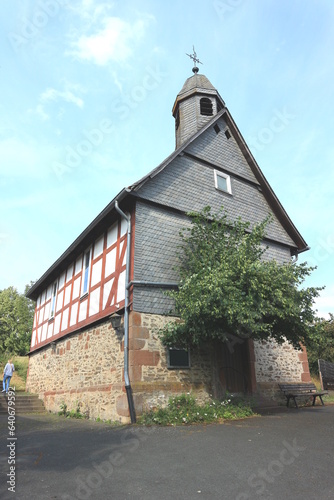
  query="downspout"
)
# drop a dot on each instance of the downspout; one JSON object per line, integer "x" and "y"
{"x": 126, "y": 316}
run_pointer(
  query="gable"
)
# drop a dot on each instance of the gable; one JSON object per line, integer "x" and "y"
{"x": 221, "y": 151}
{"x": 187, "y": 183}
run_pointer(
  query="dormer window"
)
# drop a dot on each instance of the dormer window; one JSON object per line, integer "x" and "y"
{"x": 206, "y": 106}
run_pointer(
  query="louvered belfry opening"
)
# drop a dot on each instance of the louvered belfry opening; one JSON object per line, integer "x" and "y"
{"x": 206, "y": 106}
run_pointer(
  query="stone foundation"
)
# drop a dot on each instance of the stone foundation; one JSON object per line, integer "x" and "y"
{"x": 86, "y": 369}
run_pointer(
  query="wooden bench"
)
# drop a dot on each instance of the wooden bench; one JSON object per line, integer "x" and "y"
{"x": 293, "y": 391}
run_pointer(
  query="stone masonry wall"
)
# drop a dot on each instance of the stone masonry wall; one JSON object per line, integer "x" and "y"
{"x": 151, "y": 380}
{"x": 85, "y": 368}
{"x": 279, "y": 363}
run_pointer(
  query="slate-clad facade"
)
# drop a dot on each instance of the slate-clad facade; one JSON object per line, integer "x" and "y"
{"x": 211, "y": 165}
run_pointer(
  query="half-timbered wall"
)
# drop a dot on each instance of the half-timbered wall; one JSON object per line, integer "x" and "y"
{"x": 92, "y": 287}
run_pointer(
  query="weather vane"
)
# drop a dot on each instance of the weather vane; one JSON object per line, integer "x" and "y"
{"x": 195, "y": 59}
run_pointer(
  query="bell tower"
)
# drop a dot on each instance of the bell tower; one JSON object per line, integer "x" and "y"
{"x": 196, "y": 103}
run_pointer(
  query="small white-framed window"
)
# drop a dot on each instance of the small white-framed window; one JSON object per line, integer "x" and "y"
{"x": 53, "y": 300}
{"x": 178, "y": 358}
{"x": 223, "y": 182}
{"x": 85, "y": 271}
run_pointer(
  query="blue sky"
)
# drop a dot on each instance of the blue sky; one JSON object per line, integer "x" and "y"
{"x": 87, "y": 91}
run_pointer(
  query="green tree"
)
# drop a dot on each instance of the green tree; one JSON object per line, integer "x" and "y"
{"x": 321, "y": 343}
{"x": 16, "y": 320}
{"x": 230, "y": 289}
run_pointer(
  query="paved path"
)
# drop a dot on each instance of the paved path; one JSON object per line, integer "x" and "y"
{"x": 289, "y": 455}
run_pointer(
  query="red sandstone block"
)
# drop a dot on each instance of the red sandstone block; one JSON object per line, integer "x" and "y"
{"x": 122, "y": 406}
{"x": 135, "y": 319}
{"x": 68, "y": 345}
{"x": 306, "y": 377}
{"x": 136, "y": 344}
{"x": 148, "y": 358}
{"x": 302, "y": 356}
{"x": 135, "y": 373}
{"x": 138, "y": 332}
{"x": 305, "y": 366}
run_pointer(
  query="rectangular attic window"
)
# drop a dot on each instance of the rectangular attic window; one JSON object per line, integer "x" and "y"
{"x": 223, "y": 182}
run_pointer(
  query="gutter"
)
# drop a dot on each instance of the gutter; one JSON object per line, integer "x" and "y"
{"x": 126, "y": 316}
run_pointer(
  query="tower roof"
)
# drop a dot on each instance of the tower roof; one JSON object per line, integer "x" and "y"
{"x": 197, "y": 84}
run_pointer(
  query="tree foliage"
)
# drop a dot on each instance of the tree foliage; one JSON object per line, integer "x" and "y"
{"x": 16, "y": 320}
{"x": 321, "y": 343}
{"x": 229, "y": 287}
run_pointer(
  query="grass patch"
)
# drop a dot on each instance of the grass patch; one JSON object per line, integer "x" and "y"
{"x": 21, "y": 368}
{"x": 329, "y": 398}
{"x": 184, "y": 409}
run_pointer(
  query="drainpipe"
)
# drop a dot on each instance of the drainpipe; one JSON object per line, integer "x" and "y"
{"x": 126, "y": 316}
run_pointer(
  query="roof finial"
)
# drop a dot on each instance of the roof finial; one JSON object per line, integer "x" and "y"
{"x": 194, "y": 58}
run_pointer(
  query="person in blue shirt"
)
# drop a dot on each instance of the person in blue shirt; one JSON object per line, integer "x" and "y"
{"x": 7, "y": 375}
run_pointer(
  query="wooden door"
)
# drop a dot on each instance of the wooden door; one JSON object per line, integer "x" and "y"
{"x": 234, "y": 372}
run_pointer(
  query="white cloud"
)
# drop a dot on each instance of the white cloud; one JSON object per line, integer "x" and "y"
{"x": 115, "y": 41}
{"x": 69, "y": 94}
{"x": 41, "y": 112}
{"x": 66, "y": 95}
{"x": 90, "y": 11}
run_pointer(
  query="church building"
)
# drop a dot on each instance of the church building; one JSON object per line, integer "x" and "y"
{"x": 100, "y": 305}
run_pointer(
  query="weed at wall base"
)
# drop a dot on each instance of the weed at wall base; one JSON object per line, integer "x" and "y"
{"x": 184, "y": 409}
{"x": 71, "y": 413}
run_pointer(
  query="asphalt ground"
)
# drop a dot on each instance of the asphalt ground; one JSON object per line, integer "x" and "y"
{"x": 288, "y": 455}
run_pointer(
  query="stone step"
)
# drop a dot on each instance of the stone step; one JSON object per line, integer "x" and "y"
{"x": 24, "y": 403}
